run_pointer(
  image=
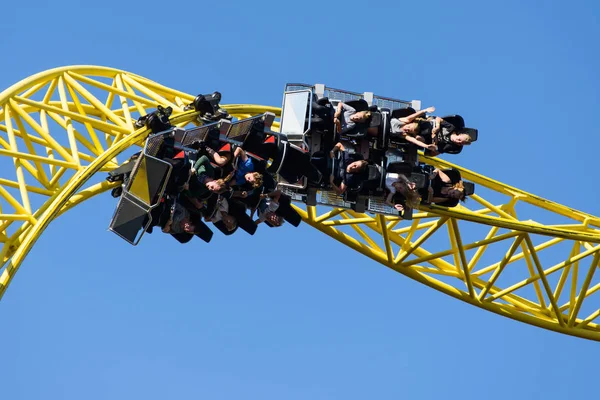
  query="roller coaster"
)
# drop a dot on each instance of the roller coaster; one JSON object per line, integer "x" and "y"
{"x": 505, "y": 250}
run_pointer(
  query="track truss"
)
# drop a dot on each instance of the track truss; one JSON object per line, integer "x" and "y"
{"x": 506, "y": 251}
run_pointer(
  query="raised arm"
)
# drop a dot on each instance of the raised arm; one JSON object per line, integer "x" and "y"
{"x": 336, "y": 116}
{"x": 445, "y": 178}
{"x": 202, "y": 161}
{"x": 338, "y": 147}
{"x": 239, "y": 152}
{"x": 338, "y": 189}
{"x": 338, "y": 110}
{"x": 388, "y": 199}
{"x": 416, "y": 141}
{"x": 412, "y": 117}
{"x": 275, "y": 195}
{"x": 217, "y": 158}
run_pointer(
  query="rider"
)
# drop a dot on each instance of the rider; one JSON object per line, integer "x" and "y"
{"x": 346, "y": 117}
{"x": 351, "y": 172}
{"x": 409, "y": 129}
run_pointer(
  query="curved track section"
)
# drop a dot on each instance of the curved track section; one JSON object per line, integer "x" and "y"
{"x": 506, "y": 251}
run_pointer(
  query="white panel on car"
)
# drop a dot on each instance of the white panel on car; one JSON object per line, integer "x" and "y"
{"x": 293, "y": 115}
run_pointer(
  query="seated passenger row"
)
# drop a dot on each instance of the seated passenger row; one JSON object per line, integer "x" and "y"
{"x": 357, "y": 120}
{"x": 354, "y": 173}
{"x": 221, "y": 187}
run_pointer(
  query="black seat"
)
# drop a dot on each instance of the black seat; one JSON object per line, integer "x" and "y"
{"x": 221, "y": 226}
{"x": 373, "y": 172}
{"x": 469, "y": 188}
{"x": 399, "y": 168}
{"x": 358, "y": 105}
{"x": 202, "y": 230}
{"x": 402, "y": 112}
{"x": 376, "y": 119}
{"x": 238, "y": 210}
{"x": 182, "y": 237}
{"x": 292, "y": 163}
{"x": 287, "y": 211}
{"x": 372, "y": 179}
{"x": 456, "y": 120}
{"x": 472, "y": 132}
{"x": 420, "y": 180}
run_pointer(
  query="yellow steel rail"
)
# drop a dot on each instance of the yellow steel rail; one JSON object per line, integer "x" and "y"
{"x": 506, "y": 251}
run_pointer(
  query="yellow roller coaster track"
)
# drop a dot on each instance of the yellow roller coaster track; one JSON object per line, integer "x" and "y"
{"x": 62, "y": 126}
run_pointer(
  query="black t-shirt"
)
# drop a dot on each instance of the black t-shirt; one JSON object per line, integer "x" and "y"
{"x": 437, "y": 184}
{"x": 352, "y": 181}
{"x": 425, "y": 128}
{"x": 446, "y": 129}
{"x": 444, "y": 139}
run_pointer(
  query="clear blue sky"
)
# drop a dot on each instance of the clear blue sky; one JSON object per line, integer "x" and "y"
{"x": 290, "y": 314}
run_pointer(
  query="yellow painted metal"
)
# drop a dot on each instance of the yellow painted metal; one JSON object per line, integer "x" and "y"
{"x": 60, "y": 127}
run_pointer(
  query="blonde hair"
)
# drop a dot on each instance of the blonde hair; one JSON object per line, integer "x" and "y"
{"x": 258, "y": 180}
{"x": 468, "y": 138}
{"x": 221, "y": 184}
{"x": 417, "y": 129}
{"x": 413, "y": 199}
{"x": 460, "y": 187}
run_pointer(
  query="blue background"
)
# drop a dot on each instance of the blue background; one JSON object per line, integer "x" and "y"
{"x": 290, "y": 314}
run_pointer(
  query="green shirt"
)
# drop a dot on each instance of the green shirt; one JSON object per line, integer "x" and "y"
{"x": 198, "y": 183}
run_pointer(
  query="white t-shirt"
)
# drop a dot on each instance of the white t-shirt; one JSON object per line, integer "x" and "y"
{"x": 265, "y": 206}
{"x": 396, "y": 125}
{"x": 390, "y": 178}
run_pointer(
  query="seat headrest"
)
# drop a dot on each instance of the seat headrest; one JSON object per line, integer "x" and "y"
{"x": 472, "y": 132}
{"x": 469, "y": 188}
{"x": 375, "y": 119}
{"x": 455, "y": 120}
{"x": 425, "y": 128}
{"x": 420, "y": 180}
{"x": 358, "y": 105}
{"x": 402, "y": 112}
{"x": 373, "y": 172}
{"x": 399, "y": 167}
